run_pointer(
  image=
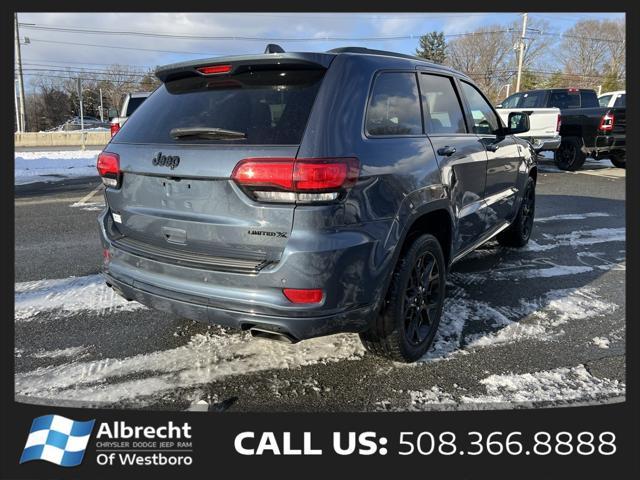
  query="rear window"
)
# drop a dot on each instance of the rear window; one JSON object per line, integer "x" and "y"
{"x": 564, "y": 99}
{"x": 271, "y": 107}
{"x": 134, "y": 103}
{"x": 525, "y": 100}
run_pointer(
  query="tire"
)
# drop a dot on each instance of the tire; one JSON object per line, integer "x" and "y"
{"x": 518, "y": 233}
{"x": 569, "y": 155}
{"x": 619, "y": 161}
{"x": 409, "y": 319}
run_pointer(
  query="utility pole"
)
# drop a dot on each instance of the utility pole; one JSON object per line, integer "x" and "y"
{"x": 22, "y": 124}
{"x": 521, "y": 52}
{"x": 81, "y": 112}
{"x": 17, "y": 104}
{"x": 101, "y": 108}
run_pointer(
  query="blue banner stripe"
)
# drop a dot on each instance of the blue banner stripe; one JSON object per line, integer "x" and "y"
{"x": 31, "y": 453}
{"x": 41, "y": 423}
{"x": 71, "y": 459}
{"x": 57, "y": 439}
{"x": 80, "y": 429}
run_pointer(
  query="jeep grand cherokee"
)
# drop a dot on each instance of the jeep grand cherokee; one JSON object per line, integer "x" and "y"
{"x": 296, "y": 195}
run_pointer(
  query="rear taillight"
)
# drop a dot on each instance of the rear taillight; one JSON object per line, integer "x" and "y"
{"x": 108, "y": 166}
{"x": 304, "y": 180}
{"x": 606, "y": 123}
{"x": 115, "y": 128}
{"x": 558, "y": 123}
{"x": 303, "y": 295}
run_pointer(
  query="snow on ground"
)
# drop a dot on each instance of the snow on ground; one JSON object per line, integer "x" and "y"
{"x": 601, "y": 342}
{"x": 68, "y": 295}
{"x": 71, "y": 352}
{"x": 43, "y": 166}
{"x": 578, "y": 238}
{"x": 555, "y": 387}
{"x": 571, "y": 216}
{"x": 206, "y": 358}
{"x": 535, "y": 318}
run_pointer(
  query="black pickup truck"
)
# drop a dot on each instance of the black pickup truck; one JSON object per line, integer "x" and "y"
{"x": 587, "y": 129}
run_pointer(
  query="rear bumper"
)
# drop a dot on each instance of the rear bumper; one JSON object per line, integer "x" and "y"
{"x": 341, "y": 264}
{"x": 296, "y": 328}
{"x": 605, "y": 144}
{"x": 543, "y": 144}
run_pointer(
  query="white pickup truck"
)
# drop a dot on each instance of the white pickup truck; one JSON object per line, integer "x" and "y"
{"x": 613, "y": 99}
{"x": 544, "y": 132}
{"x": 130, "y": 103}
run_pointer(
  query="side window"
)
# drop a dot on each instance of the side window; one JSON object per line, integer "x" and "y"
{"x": 604, "y": 100}
{"x": 485, "y": 120}
{"x": 441, "y": 106}
{"x": 531, "y": 100}
{"x": 512, "y": 101}
{"x": 620, "y": 100}
{"x": 394, "y": 107}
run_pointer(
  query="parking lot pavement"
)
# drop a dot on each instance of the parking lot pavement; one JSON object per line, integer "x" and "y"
{"x": 540, "y": 326}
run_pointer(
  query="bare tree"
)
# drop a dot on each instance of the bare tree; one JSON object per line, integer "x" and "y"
{"x": 485, "y": 57}
{"x": 592, "y": 50}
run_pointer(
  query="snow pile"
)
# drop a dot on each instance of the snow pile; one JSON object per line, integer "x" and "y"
{"x": 558, "y": 385}
{"x": 578, "y": 238}
{"x": 601, "y": 342}
{"x": 41, "y": 166}
{"x": 68, "y": 295}
{"x": 71, "y": 352}
{"x": 571, "y": 216}
{"x": 206, "y": 358}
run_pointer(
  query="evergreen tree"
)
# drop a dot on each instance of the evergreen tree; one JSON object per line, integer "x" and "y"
{"x": 432, "y": 47}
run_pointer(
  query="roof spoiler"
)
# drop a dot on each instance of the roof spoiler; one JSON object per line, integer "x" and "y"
{"x": 243, "y": 63}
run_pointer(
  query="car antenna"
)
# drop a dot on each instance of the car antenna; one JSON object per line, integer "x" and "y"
{"x": 273, "y": 48}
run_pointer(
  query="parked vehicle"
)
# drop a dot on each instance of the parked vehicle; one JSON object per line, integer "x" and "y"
{"x": 544, "y": 133}
{"x": 129, "y": 105}
{"x": 613, "y": 99}
{"x": 296, "y": 195}
{"x": 586, "y": 128}
{"x": 89, "y": 123}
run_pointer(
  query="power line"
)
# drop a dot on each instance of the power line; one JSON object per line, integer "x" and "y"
{"x": 121, "y": 47}
{"x": 183, "y": 36}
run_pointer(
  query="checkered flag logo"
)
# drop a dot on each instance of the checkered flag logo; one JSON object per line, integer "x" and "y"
{"x": 57, "y": 440}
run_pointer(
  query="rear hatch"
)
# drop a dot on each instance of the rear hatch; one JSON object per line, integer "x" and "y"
{"x": 175, "y": 201}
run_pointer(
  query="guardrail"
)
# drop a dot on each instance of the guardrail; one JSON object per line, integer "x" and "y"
{"x": 61, "y": 139}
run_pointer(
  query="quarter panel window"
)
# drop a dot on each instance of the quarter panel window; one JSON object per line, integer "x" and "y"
{"x": 394, "y": 106}
{"x": 485, "y": 121}
{"x": 441, "y": 106}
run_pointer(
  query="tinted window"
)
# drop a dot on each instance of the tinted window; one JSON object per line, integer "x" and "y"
{"x": 620, "y": 100}
{"x": 134, "y": 103}
{"x": 441, "y": 106}
{"x": 525, "y": 100}
{"x": 394, "y": 108}
{"x": 604, "y": 100}
{"x": 588, "y": 99}
{"x": 270, "y": 107}
{"x": 511, "y": 102}
{"x": 485, "y": 120}
{"x": 564, "y": 99}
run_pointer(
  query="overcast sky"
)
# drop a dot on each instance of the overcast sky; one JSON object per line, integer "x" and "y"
{"x": 74, "y": 50}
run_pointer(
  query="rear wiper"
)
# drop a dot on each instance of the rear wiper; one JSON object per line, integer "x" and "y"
{"x": 207, "y": 132}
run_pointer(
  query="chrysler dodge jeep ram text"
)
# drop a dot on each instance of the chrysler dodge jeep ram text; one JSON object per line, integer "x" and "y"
{"x": 297, "y": 195}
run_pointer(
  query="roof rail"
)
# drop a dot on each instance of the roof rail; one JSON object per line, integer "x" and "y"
{"x": 370, "y": 51}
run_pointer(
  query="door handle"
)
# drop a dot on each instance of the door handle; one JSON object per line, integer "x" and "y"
{"x": 493, "y": 147}
{"x": 446, "y": 151}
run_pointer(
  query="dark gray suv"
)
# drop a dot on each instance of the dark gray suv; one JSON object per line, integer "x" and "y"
{"x": 296, "y": 195}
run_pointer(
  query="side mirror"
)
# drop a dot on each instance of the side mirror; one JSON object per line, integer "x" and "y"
{"x": 113, "y": 112}
{"x": 518, "y": 123}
